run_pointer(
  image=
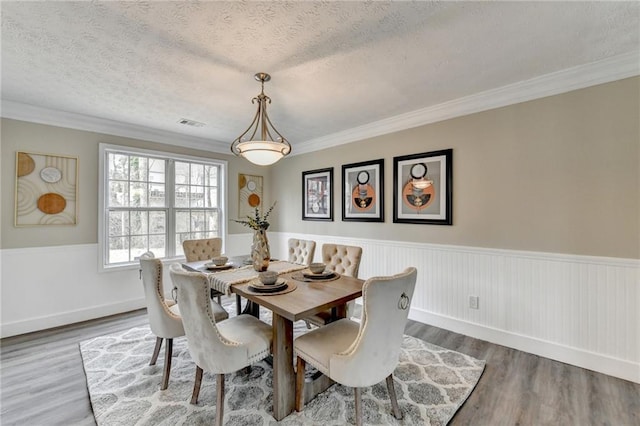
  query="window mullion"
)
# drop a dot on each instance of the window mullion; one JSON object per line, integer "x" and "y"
{"x": 169, "y": 191}
{"x": 129, "y": 205}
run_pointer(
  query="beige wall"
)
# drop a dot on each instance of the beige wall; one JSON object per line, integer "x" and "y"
{"x": 30, "y": 137}
{"x": 558, "y": 174}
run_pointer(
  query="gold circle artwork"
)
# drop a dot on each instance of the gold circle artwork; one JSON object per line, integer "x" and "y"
{"x": 242, "y": 181}
{"x": 417, "y": 199}
{"x": 363, "y": 197}
{"x": 25, "y": 164}
{"x": 51, "y": 203}
{"x": 254, "y": 200}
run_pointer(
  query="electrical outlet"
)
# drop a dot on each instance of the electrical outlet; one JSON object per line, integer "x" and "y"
{"x": 474, "y": 302}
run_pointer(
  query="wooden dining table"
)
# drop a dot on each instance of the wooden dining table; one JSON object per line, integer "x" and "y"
{"x": 307, "y": 299}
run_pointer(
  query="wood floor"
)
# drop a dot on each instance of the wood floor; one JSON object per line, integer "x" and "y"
{"x": 43, "y": 381}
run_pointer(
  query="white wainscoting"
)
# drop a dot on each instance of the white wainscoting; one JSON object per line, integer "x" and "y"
{"x": 45, "y": 287}
{"x": 581, "y": 310}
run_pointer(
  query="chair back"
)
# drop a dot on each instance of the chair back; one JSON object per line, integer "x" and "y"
{"x": 203, "y": 249}
{"x": 301, "y": 251}
{"x": 164, "y": 323}
{"x": 344, "y": 260}
{"x": 210, "y": 350}
{"x": 375, "y": 352}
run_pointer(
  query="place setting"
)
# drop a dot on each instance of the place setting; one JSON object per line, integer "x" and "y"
{"x": 218, "y": 263}
{"x": 269, "y": 283}
{"x": 316, "y": 272}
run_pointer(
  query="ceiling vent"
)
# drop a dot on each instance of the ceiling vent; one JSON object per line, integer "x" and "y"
{"x": 191, "y": 123}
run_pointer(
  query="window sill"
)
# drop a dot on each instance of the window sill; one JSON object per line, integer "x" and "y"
{"x": 136, "y": 265}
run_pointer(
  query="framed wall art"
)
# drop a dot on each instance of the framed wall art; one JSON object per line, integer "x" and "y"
{"x": 249, "y": 194}
{"x": 46, "y": 189}
{"x": 422, "y": 188}
{"x": 317, "y": 194}
{"x": 363, "y": 191}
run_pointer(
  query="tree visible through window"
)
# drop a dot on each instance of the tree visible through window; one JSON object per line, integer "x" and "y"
{"x": 154, "y": 203}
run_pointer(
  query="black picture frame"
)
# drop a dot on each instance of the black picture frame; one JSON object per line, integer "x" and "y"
{"x": 414, "y": 199}
{"x": 363, "y": 191}
{"x": 317, "y": 194}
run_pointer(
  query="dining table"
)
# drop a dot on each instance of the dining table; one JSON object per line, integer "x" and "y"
{"x": 303, "y": 298}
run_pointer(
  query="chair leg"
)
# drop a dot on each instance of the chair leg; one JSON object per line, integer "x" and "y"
{"x": 196, "y": 385}
{"x": 220, "y": 399}
{"x": 168, "y": 350}
{"x": 156, "y": 351}
{"x": 300, "y": 384}
{"x": 219, "y": 300}
{"x": 358, "y": 393}
{"x": 392, "y": 396}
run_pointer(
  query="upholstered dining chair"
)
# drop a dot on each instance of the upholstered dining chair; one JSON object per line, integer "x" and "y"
{"x": 164, "y": 314}
{"x": 301, "y": 251}
{"x": 203, "y": 249}
{"x": 219, "y": 348}
{"x": 361, "y": 354}
{"x": 344, "y": 260}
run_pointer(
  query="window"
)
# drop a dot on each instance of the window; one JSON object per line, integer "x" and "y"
{"x": 153, "y": 201}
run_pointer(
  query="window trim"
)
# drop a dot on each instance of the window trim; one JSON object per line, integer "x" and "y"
{"x": 103, "y": 149}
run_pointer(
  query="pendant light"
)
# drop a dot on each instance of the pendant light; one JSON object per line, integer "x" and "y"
{"x": 261, "y": 143}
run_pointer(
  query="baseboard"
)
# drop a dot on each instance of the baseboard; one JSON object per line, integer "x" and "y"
{"x": 70, "y": 317}
{"x": 623, "y": 369}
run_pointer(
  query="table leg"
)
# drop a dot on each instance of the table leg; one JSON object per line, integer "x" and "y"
{"x": 339, "y": 312}
{"x": 283, "y": 374}
{"x": 252, "y": 308}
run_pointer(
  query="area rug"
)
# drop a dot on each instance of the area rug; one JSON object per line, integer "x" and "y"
{"x": 431, "y": 384}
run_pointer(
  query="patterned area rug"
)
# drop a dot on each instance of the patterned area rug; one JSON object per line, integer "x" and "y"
{"x": 431, "y": 384}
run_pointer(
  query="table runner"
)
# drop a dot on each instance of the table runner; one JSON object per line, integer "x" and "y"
{"x": 222, "y": 281}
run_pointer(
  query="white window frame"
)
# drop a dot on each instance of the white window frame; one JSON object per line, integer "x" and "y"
{"x": 103, "y": 240}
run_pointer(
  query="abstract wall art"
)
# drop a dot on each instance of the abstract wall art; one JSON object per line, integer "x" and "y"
{"x": 249, "y": 195}
{"x": 363, "y": 191}
{"x": 423, "y": 188}
{"x": 317, "y": 194}
{"x": 46, "y": 189}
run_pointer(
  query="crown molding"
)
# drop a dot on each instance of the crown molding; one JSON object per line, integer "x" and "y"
{"x": 36, "y": 114}
{"x": 603, "y": 71}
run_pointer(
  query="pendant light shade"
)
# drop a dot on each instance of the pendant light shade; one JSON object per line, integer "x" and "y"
{"x": 261, "y": 143}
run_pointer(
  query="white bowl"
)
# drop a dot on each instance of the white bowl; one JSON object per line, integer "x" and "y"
{"x": 316, "y": 268}
{"x": 268, "y": 277}
{"x": 219, "y": 260}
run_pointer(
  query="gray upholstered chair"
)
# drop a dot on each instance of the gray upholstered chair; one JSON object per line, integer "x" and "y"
{"x": 361, "y": 354}
{"x": 218, "y": 348}
{"x": 164, "y": 315}
{"x": 301, "y": 251}
{"x": 203, "y": 249}
{"x": 344, "y": 260}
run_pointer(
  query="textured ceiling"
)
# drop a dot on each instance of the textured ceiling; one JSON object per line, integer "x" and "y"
{"x": 334, "y": 65}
